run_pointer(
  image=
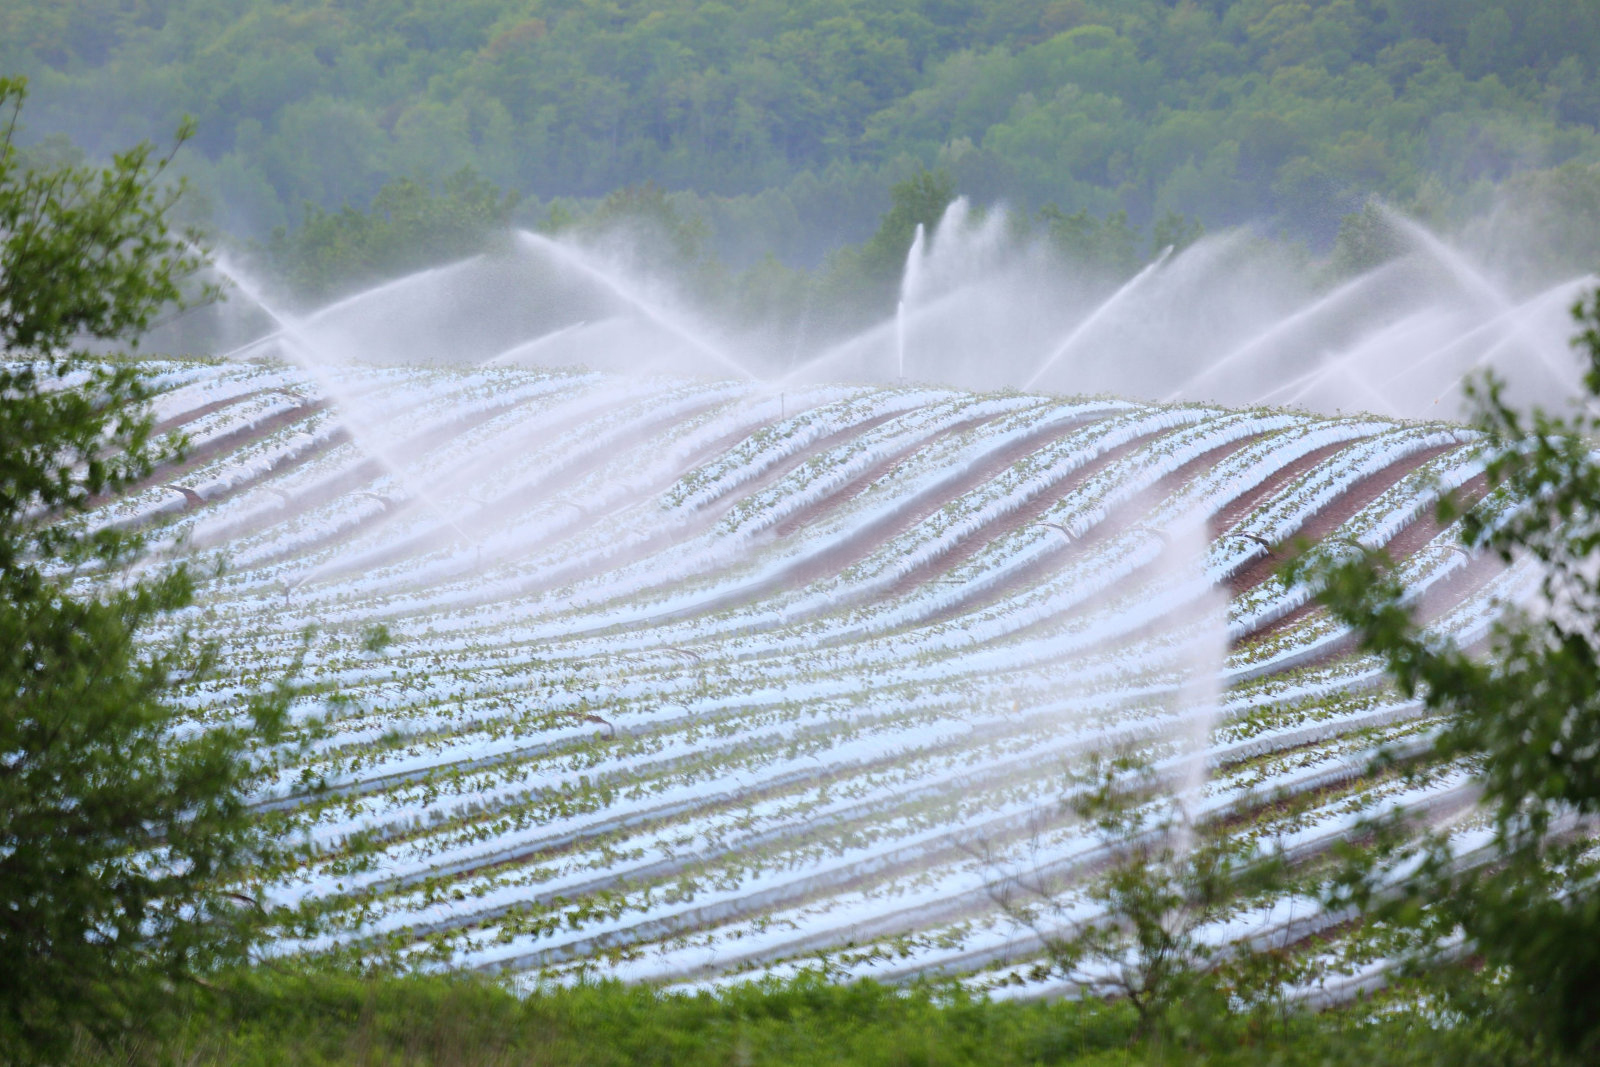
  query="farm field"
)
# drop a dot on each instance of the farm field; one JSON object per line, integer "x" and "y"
{"x": 689, "y": 682}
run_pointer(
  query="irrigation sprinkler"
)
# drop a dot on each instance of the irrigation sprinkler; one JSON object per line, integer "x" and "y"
{"x": 191, "y": 498}
{"x": 1256, "y": 538}
{"x": 1058, "y": 527}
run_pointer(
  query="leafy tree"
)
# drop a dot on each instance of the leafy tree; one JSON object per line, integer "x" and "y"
{"x": 1546, "y": 225}
{"x": 919, "y": 200}
{"x": 1174, "y": 231}
{"x": 858, "y": 282}
{"x": 409, "y": 226}
{"x": 646, "y": 218}
{"x": 1108, "y": 245}
{"x": 1164, "y": 879}
{"x": 1525, "y": 717}
{"x": 1366, "y": 240}
{"x": 119, "y": 822}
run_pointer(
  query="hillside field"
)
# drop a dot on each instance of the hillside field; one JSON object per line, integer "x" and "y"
{"x": 692, "y": 681}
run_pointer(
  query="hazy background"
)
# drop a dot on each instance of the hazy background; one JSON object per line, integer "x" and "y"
{"x": 782, "y": 124}
{"x": 748, "y": 179}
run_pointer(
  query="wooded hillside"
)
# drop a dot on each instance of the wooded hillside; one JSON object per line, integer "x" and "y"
{"x": 790, "y": 120}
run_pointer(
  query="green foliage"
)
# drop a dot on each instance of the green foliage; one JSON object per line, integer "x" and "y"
{"x": 1220, "y": 111}
{"x": 1366, "y": 240}
{"x": 1108, "y": 246}
{"x": 117, "y": 823}
{"x": 409, "y": 226}
{"x": 648, "y": 230}
{"x": 860, "y": 282}
{"x": 1525, "y": 717}
{"x": 263, "y": 1017}
{"x": 376, "y": 637}
{"x": 269, "y": 1017}
{"x": 652, "y": 223}
{"x": 1164, "y": 879}
{"x": 1175, "y": 231}
{"x": 919, "y": 200}
{"x": 1542, "y": 225}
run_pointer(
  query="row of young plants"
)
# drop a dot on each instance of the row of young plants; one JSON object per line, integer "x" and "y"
{"x": 593, "y": 790}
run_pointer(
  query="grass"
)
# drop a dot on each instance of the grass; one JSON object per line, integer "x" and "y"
{"x": 322, "y": 1019}
{"x": 267, "y": 1018}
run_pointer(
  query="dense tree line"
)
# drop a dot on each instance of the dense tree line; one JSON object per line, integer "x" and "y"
{"x": 789, "y": 121}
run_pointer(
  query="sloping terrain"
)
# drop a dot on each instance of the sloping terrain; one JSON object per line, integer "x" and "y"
{"x": 684, "y": 681}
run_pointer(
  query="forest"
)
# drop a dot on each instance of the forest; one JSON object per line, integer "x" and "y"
{"x": 778, "y": 127}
